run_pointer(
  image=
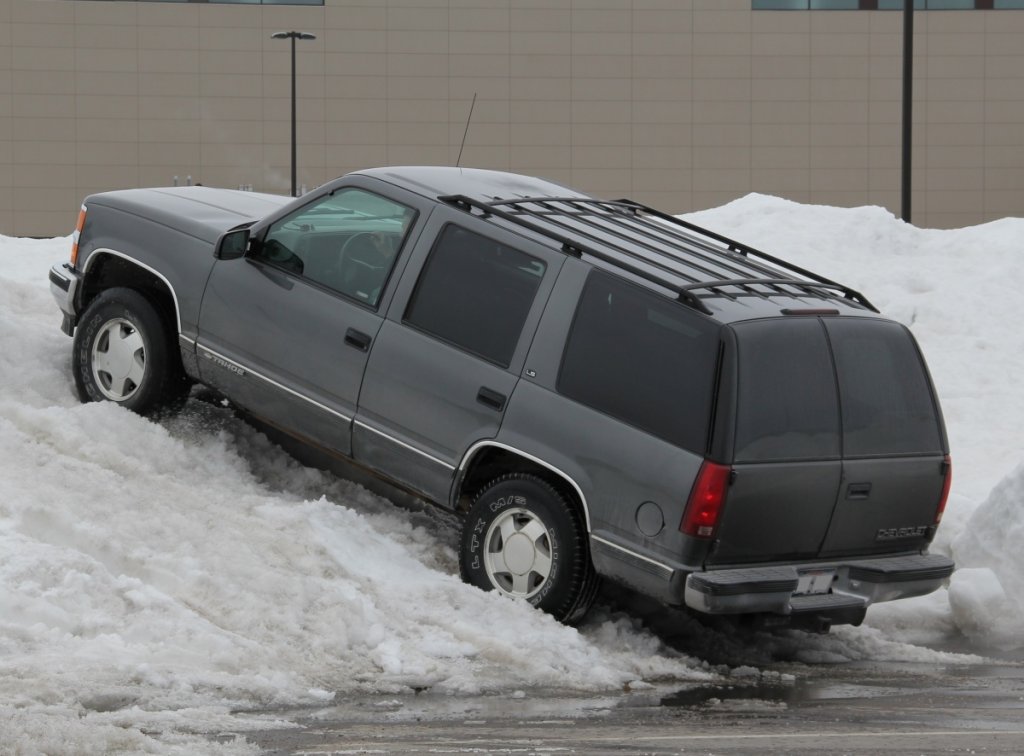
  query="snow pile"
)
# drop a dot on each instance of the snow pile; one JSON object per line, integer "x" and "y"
{"x": 987, "y": 593}
{"x": 157, "y": 577}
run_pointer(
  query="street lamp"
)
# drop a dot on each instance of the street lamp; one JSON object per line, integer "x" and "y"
{"x": 293, "y": 35}
{"x": 906, "y": 173}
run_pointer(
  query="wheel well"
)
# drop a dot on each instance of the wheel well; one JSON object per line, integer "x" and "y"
{"x": 494, "y": 461}
{"x": 109, "y": 271}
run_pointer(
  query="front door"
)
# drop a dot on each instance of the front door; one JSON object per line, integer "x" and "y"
{"x": 286, "y": 331}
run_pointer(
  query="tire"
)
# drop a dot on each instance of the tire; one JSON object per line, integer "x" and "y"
{"x": 523, "y": 539}
{"x": 123, "y": 354}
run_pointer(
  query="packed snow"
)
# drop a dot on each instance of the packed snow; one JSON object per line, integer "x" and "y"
{"x": 162, "y": 581}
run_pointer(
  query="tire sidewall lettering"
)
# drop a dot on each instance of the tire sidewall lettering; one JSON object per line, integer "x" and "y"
{"x": 475, "y": 542}
{"x": 552, "y": 580}
{"x": 513, "y": 500}
{"x": 84, "y": 361}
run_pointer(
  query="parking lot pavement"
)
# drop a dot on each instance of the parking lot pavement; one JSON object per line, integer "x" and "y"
{"x": 861, "y": 708}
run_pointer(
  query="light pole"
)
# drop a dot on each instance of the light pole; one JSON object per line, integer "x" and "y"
{"x": 293, "y": 35}
{"x": 906, "y": 174}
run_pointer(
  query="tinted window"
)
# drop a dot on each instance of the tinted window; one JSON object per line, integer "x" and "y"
{"x": 475, "y": 293}
{"x": 787, "y": 406}
{"x": 644, "y": 359}
{"x": 347, "y": 241}
{"x": 886, "y": 396}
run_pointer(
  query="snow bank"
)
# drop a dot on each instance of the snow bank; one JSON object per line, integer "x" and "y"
{"x": 987, "y": 593}
{"x": 157, "y": 577}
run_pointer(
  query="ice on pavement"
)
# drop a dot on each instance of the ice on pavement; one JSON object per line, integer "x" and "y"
{"x": 157, "y": 577}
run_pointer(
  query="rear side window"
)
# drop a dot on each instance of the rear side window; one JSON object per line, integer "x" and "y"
{"x": 787, "y": 403}
{"x": 643, "y": 359}
{"x": 887, "y": 400}
{"x": 475, "y": 293}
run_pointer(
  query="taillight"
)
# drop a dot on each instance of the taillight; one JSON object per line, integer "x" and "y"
{"x": 76, "y": 236}
{"x": 704, "y": 506}
{"x": 947, "y": 471}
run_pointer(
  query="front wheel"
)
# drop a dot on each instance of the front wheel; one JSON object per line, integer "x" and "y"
{"x": 522, "y": 539}
{"x": 123, "y": 354}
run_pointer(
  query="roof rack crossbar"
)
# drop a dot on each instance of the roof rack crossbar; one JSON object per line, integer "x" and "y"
{"x": 655, "y": 237}
{"x": 672, "y": 246}
{"x": 702, "y": 261}
{"x": 603, "y": 234}
{"x": 746, "y": 249}
{"x": 731, "y": 253}
{"x": 641, "y": 237}
{"x": 668, "y": 240}
{"x": 806, "y": 286}
{"x": 571, "y": 246}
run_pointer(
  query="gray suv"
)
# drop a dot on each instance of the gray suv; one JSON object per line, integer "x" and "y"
{"x": 600, "y": 389}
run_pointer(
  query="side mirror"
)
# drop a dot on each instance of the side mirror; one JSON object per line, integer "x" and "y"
{"x": 232, "y": 244}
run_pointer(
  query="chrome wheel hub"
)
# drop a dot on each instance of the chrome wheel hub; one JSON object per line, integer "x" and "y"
{"x": 517, "y": 553}
{"x": 118, "y": 360}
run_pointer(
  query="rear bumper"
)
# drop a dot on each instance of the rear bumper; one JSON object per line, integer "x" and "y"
{"x": 837, "y": 591}
{"x": 64, "y": 282}
{"x": 842, "y": 586}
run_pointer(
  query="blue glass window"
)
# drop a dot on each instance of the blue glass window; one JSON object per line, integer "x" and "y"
{"x": 886, "y": 4}
{"x": 780, "y": 4}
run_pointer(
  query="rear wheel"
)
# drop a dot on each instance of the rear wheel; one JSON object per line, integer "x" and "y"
{"x": 123, "y": 354}
{"x": 523, "y": 539}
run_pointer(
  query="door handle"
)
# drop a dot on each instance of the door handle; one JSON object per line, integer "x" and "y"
{"x": 491, "y": 399}
{"x": 357, "y": 339}
{"x": 858, "y": 491}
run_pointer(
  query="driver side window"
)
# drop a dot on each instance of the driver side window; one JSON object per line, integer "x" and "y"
{"x": 346, "y": 241}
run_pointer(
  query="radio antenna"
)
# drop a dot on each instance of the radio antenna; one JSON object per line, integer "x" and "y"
{"x": 464, "y": 133}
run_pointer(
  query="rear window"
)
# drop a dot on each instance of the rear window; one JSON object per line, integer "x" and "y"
{"x": 887, "y": 401}
{"x": 643, "y": 359}
{"x": 787, "y": 403}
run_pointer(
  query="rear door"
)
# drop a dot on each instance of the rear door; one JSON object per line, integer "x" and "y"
{"x": 787, "y": 457}
{"x": 893, "y": 441}
{"x": 449, "y": 355}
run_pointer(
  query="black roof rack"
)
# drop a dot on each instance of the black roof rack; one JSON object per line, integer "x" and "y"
{"x": 660, "y": 248}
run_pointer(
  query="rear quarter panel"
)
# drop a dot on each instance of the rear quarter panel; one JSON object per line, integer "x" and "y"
{"x": 617, "y": 468}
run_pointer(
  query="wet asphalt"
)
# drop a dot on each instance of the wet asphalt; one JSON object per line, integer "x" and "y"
{"x": 789, "y": 708}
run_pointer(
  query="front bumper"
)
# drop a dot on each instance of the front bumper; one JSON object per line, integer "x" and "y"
{"x": 64, "y": 281}
{"x": 821, "y": 588}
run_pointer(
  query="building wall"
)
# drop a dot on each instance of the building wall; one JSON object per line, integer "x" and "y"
{"x": 683, "y": 104}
